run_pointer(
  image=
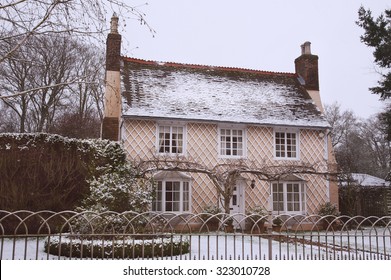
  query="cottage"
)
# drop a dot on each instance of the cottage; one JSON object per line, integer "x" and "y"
{"x": 219, "y": 116}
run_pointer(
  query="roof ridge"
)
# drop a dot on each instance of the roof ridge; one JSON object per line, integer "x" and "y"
{"x": 200, "y": 66}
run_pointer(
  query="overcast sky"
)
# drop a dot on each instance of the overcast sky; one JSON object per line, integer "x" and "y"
{"x": 265, "y": 35}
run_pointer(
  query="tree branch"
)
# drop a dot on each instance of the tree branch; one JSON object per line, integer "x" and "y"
{"x": 36, "y": 90}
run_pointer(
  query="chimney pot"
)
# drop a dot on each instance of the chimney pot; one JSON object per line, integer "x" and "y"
{"x": 306, "y": 48}
{"x": 114, "y": 24}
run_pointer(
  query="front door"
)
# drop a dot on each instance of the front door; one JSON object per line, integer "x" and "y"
{"x": 236, "y": 205}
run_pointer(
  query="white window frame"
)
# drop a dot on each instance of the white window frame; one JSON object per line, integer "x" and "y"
{"x": 164, "y": 200}
{"x": 170, "y": 128}
{"x": 286, "y": 145}
{"x": 287, "y": 199}
{"x": 233, "y": 129}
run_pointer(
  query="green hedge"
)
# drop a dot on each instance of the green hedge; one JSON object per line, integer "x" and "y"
{"x": 50, "y": 172}
{"x": 363, "y": 201}
{"x": 117, "y": 249}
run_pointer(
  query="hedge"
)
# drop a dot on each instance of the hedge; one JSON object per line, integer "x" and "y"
{"x": 364, "y": 201}
{"x": 50, "y": 172}
{"x": 118, "y": 248}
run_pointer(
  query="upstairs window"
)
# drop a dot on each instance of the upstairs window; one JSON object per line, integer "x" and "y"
{"x": 286, "y": 145}
{"x": 232, "y": 142}
{"x": 171, "y": 139}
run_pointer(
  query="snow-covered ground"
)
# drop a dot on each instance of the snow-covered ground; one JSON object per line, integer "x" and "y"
{"x": 363, "y": 244}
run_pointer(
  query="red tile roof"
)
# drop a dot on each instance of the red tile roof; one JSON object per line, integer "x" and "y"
{"x": 199, "y": 66}
{"x": 167, "y": 90}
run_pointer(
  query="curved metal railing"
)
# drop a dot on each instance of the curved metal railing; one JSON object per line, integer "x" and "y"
{"x": 151, "y": 235}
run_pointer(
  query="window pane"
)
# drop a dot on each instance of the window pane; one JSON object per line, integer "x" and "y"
{"x": 168, "y": 196}
{"x": 291, "y": 145}
{"x": 234, "y": 200}
{"x": 278, "y": 197}
{"x": 157, "y": 201}
{"x": 185, "y": 196}
{"x": 280, "y": 144}
{"x": 293, "y": 197}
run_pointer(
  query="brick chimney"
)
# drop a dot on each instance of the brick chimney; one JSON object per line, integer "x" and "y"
{"x": 306, "y": 66}
{"x": 112, "y": 96}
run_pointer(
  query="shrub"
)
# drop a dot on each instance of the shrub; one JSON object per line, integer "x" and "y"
{"x": 256, "y": 215}
{"x": 257, "y": 212}
{"x": 116, "y": 190}
{"x": 212, "y": 209}
{"x": 277, "y": 222}
{"x": 209, "y": 211}
{"x": 363, "y": 201}
{"x": 329, "y": 212}
{"x": 328, "y": 209}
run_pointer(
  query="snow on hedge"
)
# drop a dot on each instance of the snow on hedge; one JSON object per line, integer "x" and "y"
{"x": 25, "y": 141}
{"x": 67, "y": 168}
{"x": 118, "y": 248}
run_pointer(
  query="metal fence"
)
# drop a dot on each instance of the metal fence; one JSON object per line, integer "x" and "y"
{"x": 129, "y": 235}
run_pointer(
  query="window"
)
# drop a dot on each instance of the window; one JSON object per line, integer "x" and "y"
{"x": 288, "y": 197}
{"x": 286, "y": 145}
{"x": 171, "y": 139}
{"x": 232, "y": 142}
{"x": 172, "y": 196}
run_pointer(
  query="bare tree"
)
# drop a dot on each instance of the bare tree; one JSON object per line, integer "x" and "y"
{"x": 65, "y": 78}
{"x": 88, "y": 95}
{"x": 343, "y": 123}
{"x": 7, "y": 120}
{"x": 57, "y": 55}
{"x": 45, "y": 79}
{"x": 23, "y": 19}
{"x": 378, "y": 146}
{"x": 84, "y": 20}
{"x": 360, "y": 145}
{"x": 225, "y": 176}
{"x": 15, "y": 76}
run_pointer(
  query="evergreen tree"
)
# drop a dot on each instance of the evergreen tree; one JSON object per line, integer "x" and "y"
{"x": 377, "y": 34}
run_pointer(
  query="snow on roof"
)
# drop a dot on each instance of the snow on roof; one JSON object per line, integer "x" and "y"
{"x": 206, "y": 93}
{"x": 368, "y": 180}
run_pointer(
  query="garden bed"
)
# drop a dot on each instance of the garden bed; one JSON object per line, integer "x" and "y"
{"x": 124, "y": 248}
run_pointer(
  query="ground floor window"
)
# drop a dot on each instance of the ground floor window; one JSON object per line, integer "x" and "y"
{"x": 288, "y": 197}
{"x": 172, "y": 196}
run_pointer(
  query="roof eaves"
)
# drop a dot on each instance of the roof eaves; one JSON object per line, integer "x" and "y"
{"x": 215, "y": 121}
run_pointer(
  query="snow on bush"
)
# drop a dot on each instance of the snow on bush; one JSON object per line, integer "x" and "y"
{"x": 118, "y": 189}
{"x": 118, "y": 249}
